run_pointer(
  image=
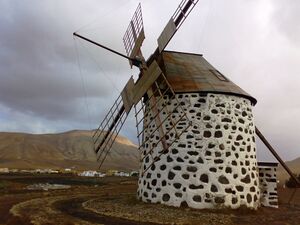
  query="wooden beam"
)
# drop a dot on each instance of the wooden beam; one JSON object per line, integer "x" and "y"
{"x": 150, "y": 75}
{"x": 127, "y": 95}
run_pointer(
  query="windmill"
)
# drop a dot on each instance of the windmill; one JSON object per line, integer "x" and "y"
{"x": 194, "y": 126}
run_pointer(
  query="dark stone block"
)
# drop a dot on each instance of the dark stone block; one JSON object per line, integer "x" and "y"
{"x": 163, "y": 167}
{"x": 228, "y": 190}
{"x": 218, "y": 154}
{"x": 219, "y": 200}
{"x": 178, "y": 195}
{"x": 255, "y": 198}
{"x": 206, "y": 118}
{"x": 194, "y": 187}
{"x": 184, "y": 204}
{"x": 177, "y": 168}
{"x": 226, "y": 120}
{"x": 177, "y": 185}
{"x": 166, "y": 197}
{"x": 218, "y": 161}
{"x": 169, "y": 159}
{"x": 153, "y": 167}
{"x": 179, "y": 159}
{"x": 213, "y": 188}
{"x": 192, "y": 169}
{"x": 249, "y": 198}
{"x": 222, "y": 146}
{"x": 228, "y": 170}
{"x": 171, "y": 175}
{"x": 213, "y": 169}
{"x": 252, "y": 189}
{"x": 214, "y": 111}
{"x": 154, "y": 182}
{"x": 208, "y": 126}
{"x": 208, "y": 153}
{"x": 182, "y": 145}
{"x": 241, "y": 121}
{"x": 244, "y": 171}
{"x": 196, "y": 131}
{"x": 204, "y": 178}
{"x": 223, "y": 180}
{"x": 185, "y": 176}
{"x": 207, "y": 134}
{"x": 174, "y": 151}
{"x": 239, "y": 137}
{"x": 192, "y": 153}
{"x": 189, "y": 136}
{"x": 200, "y": 160}
{"x": 211, "y": 145}
{"x": 218, "y": 134}
{"x": 239, "y": 188}
{"x": 234, "y": 200}
{"x": 197, "y": 198}
{"x": 246, "y": 179}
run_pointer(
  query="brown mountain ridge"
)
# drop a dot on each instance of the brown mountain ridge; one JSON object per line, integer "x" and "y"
{"x": 72, "y": 149}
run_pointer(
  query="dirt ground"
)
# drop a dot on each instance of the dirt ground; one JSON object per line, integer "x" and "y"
{"x": 111, "y": 200}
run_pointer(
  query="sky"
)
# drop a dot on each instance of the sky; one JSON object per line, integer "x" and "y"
{"x": 52, "y": 82}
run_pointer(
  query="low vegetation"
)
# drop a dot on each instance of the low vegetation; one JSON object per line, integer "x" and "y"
{"x": 291, "y": 183}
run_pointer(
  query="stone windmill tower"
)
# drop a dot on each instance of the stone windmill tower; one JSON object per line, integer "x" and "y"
{"x": 195, "y": 127}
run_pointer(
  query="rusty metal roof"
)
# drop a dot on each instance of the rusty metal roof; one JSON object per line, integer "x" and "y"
{"x": 187, "y": 72}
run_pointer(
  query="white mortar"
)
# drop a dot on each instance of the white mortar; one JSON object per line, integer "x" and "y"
{"x": 202, "y": 170}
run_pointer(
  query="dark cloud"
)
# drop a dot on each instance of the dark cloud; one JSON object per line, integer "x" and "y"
{"x": 39, "y": 71}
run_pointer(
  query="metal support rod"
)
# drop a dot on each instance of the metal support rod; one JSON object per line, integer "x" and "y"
{"x": 135, "y": 62}
{"x": 272, "y": 150}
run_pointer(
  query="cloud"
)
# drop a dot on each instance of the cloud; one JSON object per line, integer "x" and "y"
{"x": 255, "y": 43}
{"x": 286, "y": 19}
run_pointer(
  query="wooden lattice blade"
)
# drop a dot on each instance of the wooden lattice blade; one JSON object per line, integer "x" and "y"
{"x": 105, "y": 135}
{"x": 157, "y": 119}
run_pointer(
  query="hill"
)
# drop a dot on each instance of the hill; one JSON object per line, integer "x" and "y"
{"x": 63, "y": 150}
{"x": 294, "y": 166}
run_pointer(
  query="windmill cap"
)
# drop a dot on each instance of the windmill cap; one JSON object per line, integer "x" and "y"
{"x": 189, "y": 72}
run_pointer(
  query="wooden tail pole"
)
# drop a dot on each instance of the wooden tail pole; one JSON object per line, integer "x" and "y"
{"x": 272, "y": 150}
{"x": 135, "y": 62}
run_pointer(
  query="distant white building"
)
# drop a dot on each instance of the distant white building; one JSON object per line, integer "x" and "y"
{"x": 91, "y": 173}
{"x": 122, "y": 174}
{"x": 4, "y": 170}
{"x": 45, "y": 171}
{"x": 68, "y": 170}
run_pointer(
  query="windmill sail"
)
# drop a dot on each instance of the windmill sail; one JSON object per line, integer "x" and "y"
{"x": 109, "y": 129}
{"x": 134, "y": 35}
{"x": 155, "y": 117}
{"x": 180, "y": 15}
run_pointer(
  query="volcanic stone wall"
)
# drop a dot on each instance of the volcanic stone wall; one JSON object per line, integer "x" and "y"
{"x": 268, "y": 186}
{"x": 213, "y": 164}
